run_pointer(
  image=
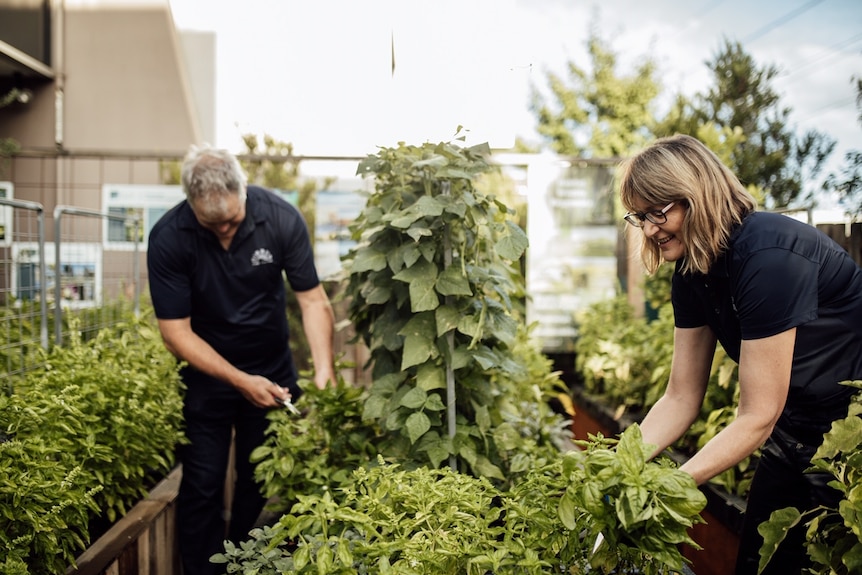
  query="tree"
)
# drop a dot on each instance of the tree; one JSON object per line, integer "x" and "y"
{"x": 274, "y": 166}
{"x": 769, "y": 156}
{"x": 848, "y": 186}
{"x": 597, "y": 112}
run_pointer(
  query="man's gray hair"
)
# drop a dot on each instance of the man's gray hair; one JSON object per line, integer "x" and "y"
{"x": 210, "y": 173}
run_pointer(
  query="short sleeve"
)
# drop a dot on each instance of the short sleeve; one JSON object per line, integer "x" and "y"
{"x": 298, "y": 263}
{"x": 688, "y": 311}
{"x": 169, "y": 279}
{"x": 776, "y": 290}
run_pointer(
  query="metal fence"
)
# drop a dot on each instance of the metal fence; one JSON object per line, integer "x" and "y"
{"x": 99, "y": 284}
{"x": 24, "y": 315}
{"x": 74, "y": 283}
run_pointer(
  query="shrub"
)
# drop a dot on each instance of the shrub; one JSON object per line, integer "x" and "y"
{"x": 439, "y": 521}
{"x": 83, "y": 437}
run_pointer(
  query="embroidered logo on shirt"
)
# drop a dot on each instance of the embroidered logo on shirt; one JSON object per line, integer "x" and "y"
{"x": 261, "y": 256}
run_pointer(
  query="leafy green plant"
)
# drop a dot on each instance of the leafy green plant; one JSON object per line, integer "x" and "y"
{"x": 833, "y": 537}
{"x": 128, "y": 392}
{"x": 623, "y": 358}
{"x": 638, "y": 511}
{"x": 318, "y": 451}
{"x": 46, "y": 492}
{"x": 392, "y": 521}
{"x": 83, "y": 437}
{"x": 439, "y": 521}
{"x": 430, "y": 287}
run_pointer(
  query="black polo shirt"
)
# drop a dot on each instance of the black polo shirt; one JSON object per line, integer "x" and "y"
{"x": 236, "y": 297}
{"x": 777, "y": 274}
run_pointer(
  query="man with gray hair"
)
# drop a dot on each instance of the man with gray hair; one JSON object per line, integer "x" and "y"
{"x": 216, "y": 264}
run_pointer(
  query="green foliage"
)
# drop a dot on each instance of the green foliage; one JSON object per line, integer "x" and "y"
{"x": 46, "y": 495}
{"x": 622, "y": 358}
{"x": 83, "y": 436}
{"x": 848, "y": 184}
{"x": 744, "y": 110}
{"x": 438, "y": 521}
{"x": 641, "y": 508}
{"x": 317, "y": 452}
{"x": 598, "y": 113}
{"x": 430, "y": 287}
{"x": 833, "y": 537}
{"x": 20, "y": 339}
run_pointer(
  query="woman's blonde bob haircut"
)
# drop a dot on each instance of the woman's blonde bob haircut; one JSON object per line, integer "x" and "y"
{"x": 681, "y": 169}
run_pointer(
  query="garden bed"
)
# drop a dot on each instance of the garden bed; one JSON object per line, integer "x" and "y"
{"x": 142, "y": 542}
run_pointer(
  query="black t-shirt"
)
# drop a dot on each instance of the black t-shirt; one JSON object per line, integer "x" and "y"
{"x": 236, "y": 297}
{"x": 778, "y": 274}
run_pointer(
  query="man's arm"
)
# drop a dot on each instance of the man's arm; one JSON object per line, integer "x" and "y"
{"x": 764, "y": 381}
{"x": 318, "y": 322}
{"x": 673, "y": 414}
{"x": 188, "y": 346}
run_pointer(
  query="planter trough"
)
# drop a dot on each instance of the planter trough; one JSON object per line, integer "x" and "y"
{"x": 142, "y": 542}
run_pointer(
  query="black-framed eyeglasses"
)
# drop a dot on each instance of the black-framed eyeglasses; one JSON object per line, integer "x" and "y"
{"x": 656, "y": 217}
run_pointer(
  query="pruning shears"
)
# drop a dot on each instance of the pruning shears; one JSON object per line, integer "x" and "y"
{"x": 597, "y": 544}
{"x": 288, "y": 404}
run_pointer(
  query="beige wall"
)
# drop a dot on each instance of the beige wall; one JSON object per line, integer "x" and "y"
{"x": 128, "y": 90}
{"x": 199, "y": 59}
{"x": 125, "y": 80}
{"x": 125, "y": 85}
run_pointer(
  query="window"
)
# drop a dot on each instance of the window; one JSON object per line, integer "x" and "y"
{"x": 143, "y": 203}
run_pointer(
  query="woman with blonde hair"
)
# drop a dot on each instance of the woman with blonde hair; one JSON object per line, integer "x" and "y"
{"x": 784, "y": 301}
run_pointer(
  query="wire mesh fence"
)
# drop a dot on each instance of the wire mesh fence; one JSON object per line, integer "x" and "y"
{"x": 76, "y": 282}
{"x": 23, "y": 315}
{"x": 94, "y": 286}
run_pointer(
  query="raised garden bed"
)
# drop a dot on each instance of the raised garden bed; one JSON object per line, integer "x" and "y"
{"x": 142, "y": 542}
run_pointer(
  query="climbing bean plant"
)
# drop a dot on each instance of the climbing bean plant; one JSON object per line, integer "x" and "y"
{"x": 430, "y": 286}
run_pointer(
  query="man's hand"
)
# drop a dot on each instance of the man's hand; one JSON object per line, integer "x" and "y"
{"x": 262, "y": 392}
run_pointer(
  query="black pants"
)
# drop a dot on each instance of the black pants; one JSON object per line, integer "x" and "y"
{"x": 213, "y": 412}
{"x": 780, "y": 481}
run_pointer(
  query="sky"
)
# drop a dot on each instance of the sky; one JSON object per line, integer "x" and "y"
{"x": 318, "y": 73}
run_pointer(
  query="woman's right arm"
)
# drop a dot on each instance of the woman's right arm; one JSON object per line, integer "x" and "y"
{"x": 673, "y": 414}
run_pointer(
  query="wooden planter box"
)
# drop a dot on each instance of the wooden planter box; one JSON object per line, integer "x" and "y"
{"x": 719, "y": 536}
{"x": 143, "y": 542}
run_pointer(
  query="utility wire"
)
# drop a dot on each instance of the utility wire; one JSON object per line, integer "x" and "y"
{"x": 779, "y": 22}
{"x": 836, "y": 104}
{"x": 829, "y": 52}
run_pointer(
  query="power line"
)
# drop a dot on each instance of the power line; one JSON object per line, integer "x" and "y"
{"x": 836, "y": 104}
{"x": 780, "y": 21}
{"x": 828, "y": 52}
